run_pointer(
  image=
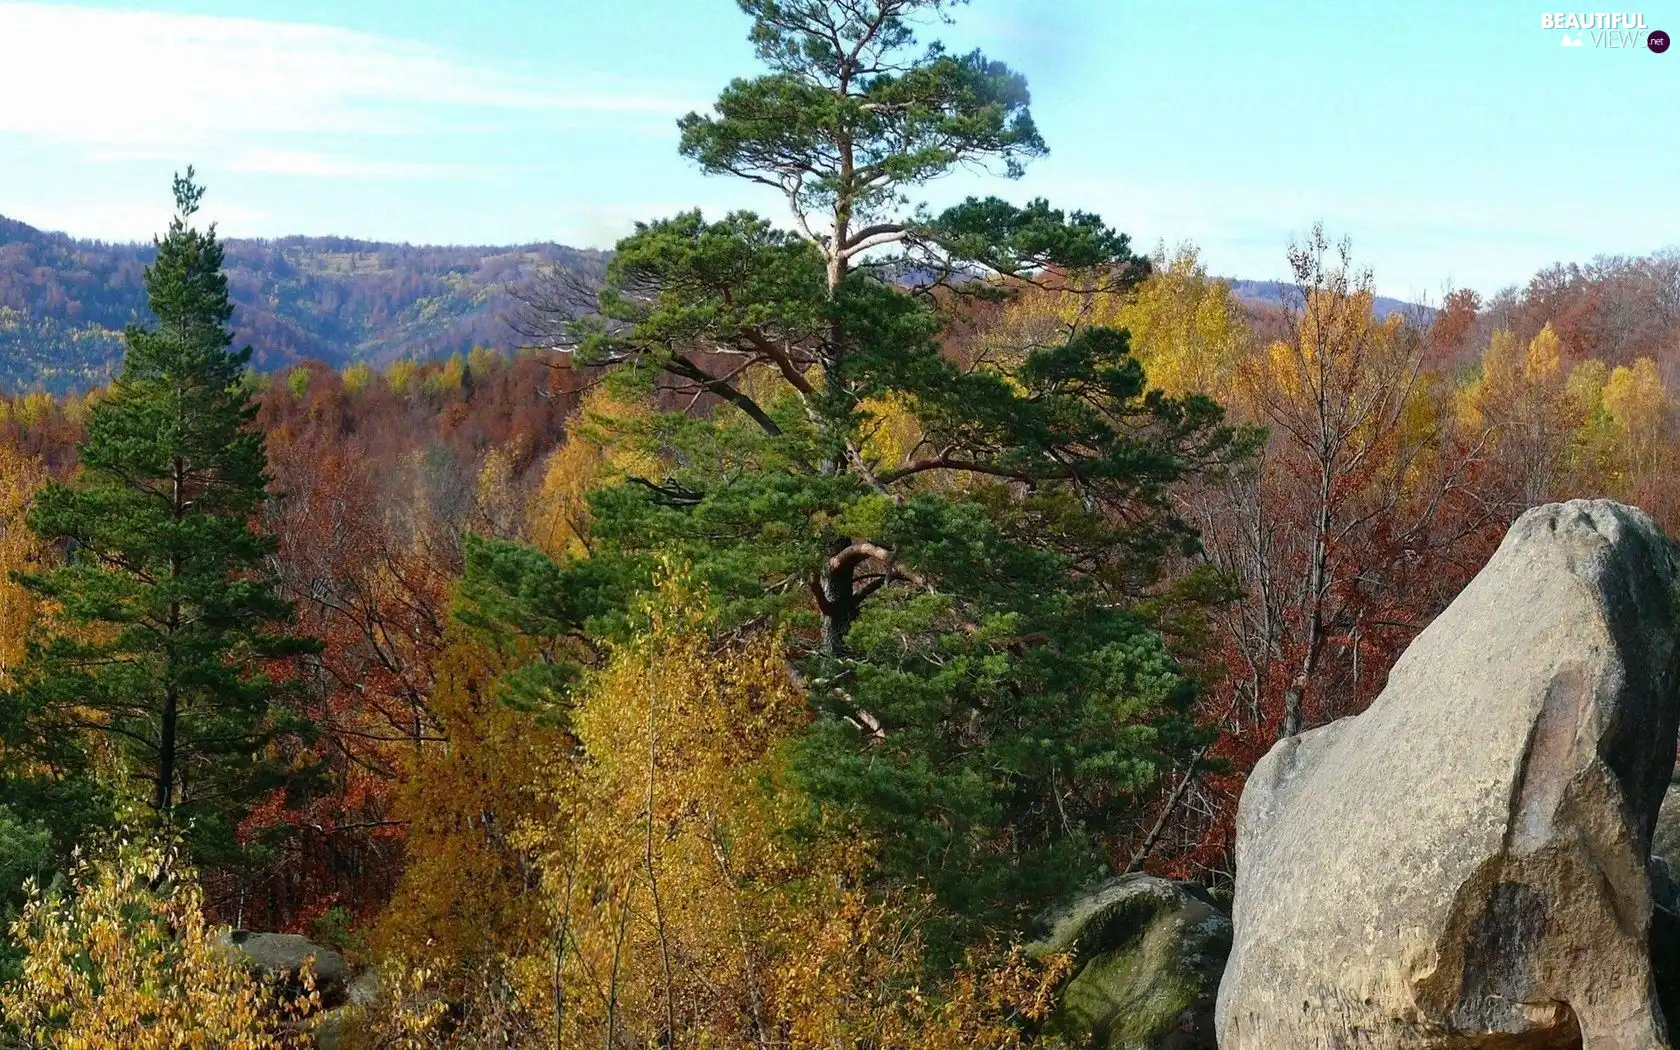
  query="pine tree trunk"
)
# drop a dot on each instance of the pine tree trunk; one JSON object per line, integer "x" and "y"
{"x": 171, "y": 692}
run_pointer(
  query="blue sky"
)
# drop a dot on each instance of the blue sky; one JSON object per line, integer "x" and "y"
{"x": 1454, "y": 142}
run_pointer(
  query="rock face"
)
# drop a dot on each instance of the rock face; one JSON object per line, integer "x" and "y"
{"x": 1464, "y": 864}
{"x": 1149, "y": 954}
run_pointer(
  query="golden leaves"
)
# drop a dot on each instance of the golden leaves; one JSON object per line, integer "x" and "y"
{"x": 1639, "y": 405}
{"x": 127, "y": 961}
{"x": 591, "y": 458}
{"x": 20, "y": 551}
{"x": 680, "y": 895}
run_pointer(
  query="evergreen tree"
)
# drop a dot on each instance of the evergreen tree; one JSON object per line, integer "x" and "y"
{"x": 166, "y": 619}
{"x": 961, "y": 543}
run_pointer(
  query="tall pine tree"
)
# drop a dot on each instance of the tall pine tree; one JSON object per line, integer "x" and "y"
{"x": 167, "y": 622}
{"x": 963, "y": 544}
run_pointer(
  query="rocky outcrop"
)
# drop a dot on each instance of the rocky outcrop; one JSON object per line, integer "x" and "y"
{"x": 1148, "y": 954}
{"x": 1465, "y": 864}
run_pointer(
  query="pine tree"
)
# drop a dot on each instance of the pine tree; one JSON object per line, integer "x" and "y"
{"x": 167, "y": 621}
{"x": 989, "y": 702}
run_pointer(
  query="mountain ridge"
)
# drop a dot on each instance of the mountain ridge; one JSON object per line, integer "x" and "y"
{"x": 64, "y": 300}
{"x": 342, "y": 300}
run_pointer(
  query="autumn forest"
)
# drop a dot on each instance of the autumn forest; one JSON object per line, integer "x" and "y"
{"x": 754, "y": 650}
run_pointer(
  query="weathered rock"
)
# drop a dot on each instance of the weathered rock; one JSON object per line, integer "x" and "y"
{"x": 1665, "y": 839}
{"x": 1665, "y": 917}
{"x": 1464, "y": 864}
{"x": 1148, "y": 954}
{"x": 283, "y": 955}
{"x": 332, "y": 1029}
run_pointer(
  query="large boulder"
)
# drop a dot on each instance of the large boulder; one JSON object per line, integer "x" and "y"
{"x": 1147, "y": 954}
{"x": 283, "y": 956}
{"x": 1464, "y": 864}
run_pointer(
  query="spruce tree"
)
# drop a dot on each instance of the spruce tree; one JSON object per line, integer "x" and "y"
{"x": 167, "y": 624}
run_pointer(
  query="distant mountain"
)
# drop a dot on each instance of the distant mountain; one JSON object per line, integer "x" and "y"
{"x": 64, "y": 302}
{"x": 1280, "y": 292}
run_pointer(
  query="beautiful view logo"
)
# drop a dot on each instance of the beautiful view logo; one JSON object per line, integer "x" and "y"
{"x": 1612, "y": 29}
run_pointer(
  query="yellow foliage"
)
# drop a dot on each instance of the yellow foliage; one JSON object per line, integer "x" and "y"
{"x": 1638, "y": 404}
{"x": 1586, "y": 385}
{"x": 1188, "y": 331}
{"x": 678, "y": 908}
{"x": 357, "y": 377}
{"x": 32, "y": 409}
{"x": 482, "y": 360}
{"x": 400, "y": 376}
{"x": 1598, "y": 445}
{"x": 297, "y": 381}
{"x": 449, "y": 378}
{"x": 1545, "y": 358}
{"x": 497, "y": 501}
{"x": 127, "y": 961}
{"x": 1547, "y": 427}
{"x": 592, "y": 457}
{"x": 1342, "y": 373}
{"x": 20, "y": 551}
{"x": 464, "y": 894}
{"x": 765, "y": 384}
{"x": 893, "y": 431}
{"x": 1518, "y": 386}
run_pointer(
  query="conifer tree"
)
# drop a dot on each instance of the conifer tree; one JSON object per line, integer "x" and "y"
{"x": 167, "y": 621}
{"x": 989, "y": 703}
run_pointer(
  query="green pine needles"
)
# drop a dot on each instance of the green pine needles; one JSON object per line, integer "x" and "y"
{"x": 969, "y": 604}
{"x": 168, "y": 632}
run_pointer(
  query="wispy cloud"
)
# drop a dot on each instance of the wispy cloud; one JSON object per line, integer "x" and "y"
{"x": 127, "y": 221}
{"x": 267, "y": 160}
{"x": 169, "y": 80}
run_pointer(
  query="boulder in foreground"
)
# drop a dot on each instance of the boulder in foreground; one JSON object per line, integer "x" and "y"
{"x": 1464, "y": 864}
{"x": 1148, "y": 954}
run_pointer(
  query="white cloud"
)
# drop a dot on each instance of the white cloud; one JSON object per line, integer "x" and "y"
{"x": 267, "y": 160}
{"x": 169, "y": 80}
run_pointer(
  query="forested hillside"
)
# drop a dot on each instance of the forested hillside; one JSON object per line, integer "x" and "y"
{"x": 777, "y": 653}
{"x": 64, "y": 302}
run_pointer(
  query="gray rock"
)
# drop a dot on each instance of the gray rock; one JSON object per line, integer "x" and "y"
{"x": 1665, "y": 839}
{"x": 1148, "y": 954}
{"x": 364, "y": 990}
{"x": 333, "y": 1029}
{"x": 1665, "y": 893}
{"x": 282, "y": 955}
{"x": 1465, "y": 864}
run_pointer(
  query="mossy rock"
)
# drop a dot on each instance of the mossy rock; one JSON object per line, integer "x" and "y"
{"x": 1148, "y": 954}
